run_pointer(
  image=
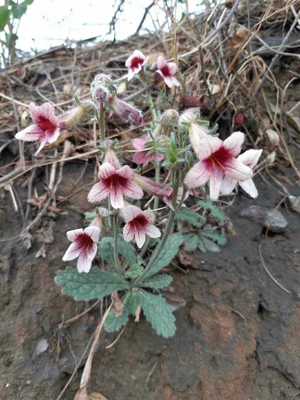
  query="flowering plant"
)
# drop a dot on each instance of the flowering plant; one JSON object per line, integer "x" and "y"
{"x": 149, "y": 195}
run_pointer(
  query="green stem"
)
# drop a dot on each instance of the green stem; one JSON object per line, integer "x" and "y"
{"x": 115, "y": 247}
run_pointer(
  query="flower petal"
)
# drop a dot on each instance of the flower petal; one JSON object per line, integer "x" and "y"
{"x": 171, "y": 81}
{"x": 72, "y": 252}
{"x": 250, "y": 157}
{"x": 134, "y": 191}
{"x": 227, "y": 186}
{"x": 29, "y": 134}
{"x": 97, "y": 193}
{"x": 130, "y": 212}
{"x": 51, "y": 138}
{"x": 215, "y": 182}
{"x": 249, "y": 187}
{"x": 116, "y": 199}
{"x": 71, "y": 235}
{"x": 172, "y": 68}
{"x": 128, "y": 233}
{"x": 152, "y": 231}
{"x": 235, "y": 169}
{"x": 203, "y": 144}
{"x": 94, "y": 232}
{"x": 140, "y": 238}
{"x": 197, "y": 176}
{"x": 234, "y": 143}
{"x": 111, "y": 158}
{"x": 161, "y": 62}
{"x": 106, "y": 170}
{"x": 84, "y": 263}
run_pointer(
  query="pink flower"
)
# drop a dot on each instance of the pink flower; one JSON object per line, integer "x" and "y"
{"x": 135, "y": 63}
{"x": 126, "y": 112}
{"x": 139, "y": 224}
{"x": 217, "y": 160}
{"x": 83, "y": 247}
{"x": 45, "y": 127}
{"x": 143, "y": 156}
{"x": 250, "y": 159}
{"x": 154, "y": 188}
{"x": 167, "y": 71}
{"x": 115, "y": 183}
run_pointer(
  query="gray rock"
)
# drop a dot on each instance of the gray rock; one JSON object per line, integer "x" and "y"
{"x": 41, "y": 347}
{"x": 273, "y": 220}
{"x": 294, "y": 202}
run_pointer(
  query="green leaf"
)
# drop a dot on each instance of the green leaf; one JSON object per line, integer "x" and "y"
{"x": 201, "y": 246}
{"x": 190, "y": 217}
{"x": 215, "y": 211}
{"x": 215, "y": 236}
{"x": 4, "y": 17}
{"x": 18, "y": 10}
{"x": 191, "y": 242}
{"x": 159, "y": 313}
{"x": 134, "y": 271}
{"x": 210, "y": 245}
{"x": 169, "y": 251}
{"x": 160, "y": 281}
{"x": 94, "y": 285}
{"x": 114, "y": 322}
{"x": 125, "y": 249}
{"x": 90, "y": 215}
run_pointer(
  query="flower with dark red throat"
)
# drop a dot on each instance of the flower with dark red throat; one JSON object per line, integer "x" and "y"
{"x": 142, "y": 155}
{"x": 217, "y": 160}
{"x": 83, "y": 247}
{"x": 115, "y": 182}
{"x": 139, "y": 224}
{"x": 167, "y": 70}
{"x": 135, "y": 63}
{"x": 45, "y": 128}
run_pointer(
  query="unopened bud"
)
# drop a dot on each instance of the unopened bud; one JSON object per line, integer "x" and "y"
{"x": 126, "y": 112}
{"x": 189, "y": 116}
{"x": 169, "y": 118}
{"x": 273, "y": 137}
{"x": 270, "y": 159}
{"x": 102, "y": 89}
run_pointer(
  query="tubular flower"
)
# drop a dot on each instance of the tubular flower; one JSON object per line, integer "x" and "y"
{"x": 138, "y": 225}
{"x": 135, "y": 63}
{"x": 217, "y": 160}
{"x": 45, "y": 128}
{"x": 167, "y": 71}
{"x": 154, "y": 188}
{"x": 115, "y": 182}
{"x": 83, "y": 247}
{"x": 250, "y": 159}
{"x": 126, "y": 112}
{"x": 142, "y": 155}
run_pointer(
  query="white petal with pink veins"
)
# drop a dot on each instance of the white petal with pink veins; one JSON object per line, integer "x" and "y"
{"x": 150, "y": 216}
{"x": 126, "y": 172}
{"x": 249, "y": 187}
{"x": 153, "y": 232}
{"x": 197, "y": 176}
{"x": 71, "y": 235}
{"x": 215, "y": 182}
{"x": 172, "y": 68}
{"x": 72, "y": 252}
{"x": 128, "y": 233}
{"x": 161, "y": 62}
{"x": 106, "y": 170}
{"x": 93, "y": 231}
{"x": 51, "y": 138}
{"x": 97, "y": 193}
{"x": 235, "y": 169}
{"x": 234, "y": 143}
{"x": 111, "y": 158}
{"x": 130, "y": 212}
{"x": 140, "y": 238}
{"x": 171, "y": 81}
{"x": 250, "y": 157}
{"x": 116, "y": 198}
{"x": 134, "y": 191}
{"x": 84, "y": 263}
{"x": 29, "y": 134}
{"x": 227, "y": 186}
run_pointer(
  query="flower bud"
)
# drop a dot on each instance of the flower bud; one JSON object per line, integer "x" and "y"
{"x": 152, "y": 187}
{"x": 102, "y": 89}
{"x": 273, "y": 137}
{"x": 270, "y": 159}
{"x": 126, "y": 112}
{"x": 76, "y": 115}
{"x": 169, "y": 118}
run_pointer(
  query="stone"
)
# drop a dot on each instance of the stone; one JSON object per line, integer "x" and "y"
{"x": 294, "y": 203}
{"x": 273, "y": 220}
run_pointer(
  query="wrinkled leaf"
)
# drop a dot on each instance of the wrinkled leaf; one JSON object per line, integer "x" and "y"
{"x": 191, "y": 242}
{"x": 94, "y": 285}
{"x": 215, "y": 211}
{"x": 115, "y": 322}
{"x": 210, "y": 245}
{"x": 134, "y": 271}
{"x": 158, "y": 313}
{"x": 215, "y": 236}
{"x": 125, "y": 249}
{"x": 169, "y": 252}
{"x": 157, "y": 282}
{"x": 190, "y": 217}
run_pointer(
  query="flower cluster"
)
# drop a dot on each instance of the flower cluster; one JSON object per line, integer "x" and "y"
{"x": 220, "y": 163}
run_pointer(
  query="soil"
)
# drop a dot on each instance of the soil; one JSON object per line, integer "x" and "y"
{"x": 237, "y": 335}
